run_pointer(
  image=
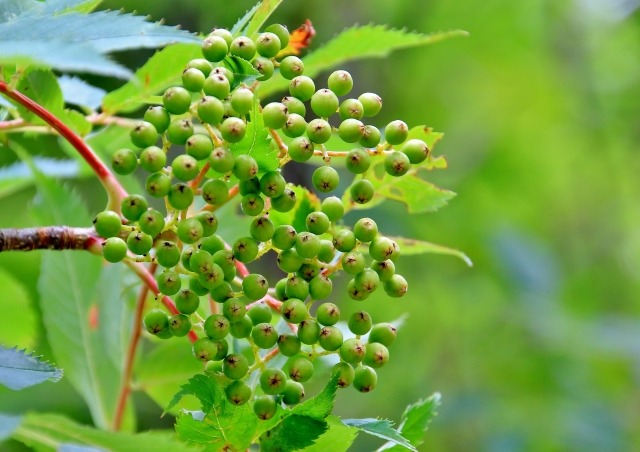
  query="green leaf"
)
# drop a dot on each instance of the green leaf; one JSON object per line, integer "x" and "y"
{"x": 321, "y": 405}
{"x": 357, "y": 43}
{"x": 8, "y": 424}
{"x": 243, "y": 71}
{"x": 22, "y": 330}
{"x": 295, "y": 432}
{"x": 338, "y": 438}
{"x": 63, "y": 6}
{"x": 206, "y": 389}
{"x": 42, "y": 87}
{"x": 157, "y": 74}
{"x": 48, "y": 432}
{"x": 19, "y": 370}
{"x": 228, "y": 427}
{"x": 239, "y": 26}
{"x": 78, "y": 92}
{"x": 382, "y": 428}
{"x": 412, "y": 247}
{"x": 262, "y": 13}
{"x": 257, "y": 143}
{"x": 415, "y": 421}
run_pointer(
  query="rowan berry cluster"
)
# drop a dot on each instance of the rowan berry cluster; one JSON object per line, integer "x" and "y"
{"x": 198, "y": 122}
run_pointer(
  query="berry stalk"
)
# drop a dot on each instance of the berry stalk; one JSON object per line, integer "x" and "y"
{"x": 48, "y": 238}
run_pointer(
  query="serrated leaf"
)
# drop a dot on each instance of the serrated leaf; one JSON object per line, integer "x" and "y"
{"x": 321, "y": 405}
{"x": 382, "y": 428}
{"x": 357, "y": 43}
{"x": 161, "y": 71}
{"x": 78, "y": 92}
{"x": 47, "y": 432}
{"x": 338, "y": 438}
{"x": 295, "y": 432}
{"x": 206, "y": 389}
{"x": 243, "y": 71}
{"x": 262, "y": 13}
{"x": 60, "y": 6}
{"x": 22, "y": 329}
{"x": 415, "y": 421}
{"x": 77, "y": 121}
{"x": 411, "y": 247}
{"x": 257, "y": 143}
{"x": 241, "y": 23}
{"x": 227, "y": 427}
{"x": 42, "y": 87}
{"x": 8, "y": 423}
{"x": 19, "y": 370}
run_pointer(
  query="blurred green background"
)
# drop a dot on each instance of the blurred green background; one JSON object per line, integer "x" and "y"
{"x": 537, "y": 347}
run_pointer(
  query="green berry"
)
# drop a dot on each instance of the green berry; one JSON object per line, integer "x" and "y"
{"x": 297, "y": 288}
{"x": 133, "y": 206}
{"x": 187, "y": 302}
{"x": 308, "y": 271}
{"x": 217, "y": 85}
{"x": 264, "y": 407}
{"x": 153, "y": 159}
{"x": 179, "y": 325}
{"x": 265, "y": 67}
{"x": 189, "y": 230}
{"x": 285, "y": 202}
{"x": 185, "y": 167}
{"x": 324, "y": 103}
{"x": 351, "y": 108}
{"x": 307, "y": 245}
{"x": 242, "y": 47}
{"x": 107, "y": 224}
{"x": 284, "y": 237}
{"x": 222, "y": 70}
{"x": 245, "y": 249}
{"x": 193, "y": 79}
{"x": 255, "y": 286}
{"x": 167, "y": 254}
{"x": 365, "y": 229}
{"x": 295, "y": 126}
{"x": 215, "y": 192}
{"x": 245, "y": 167}
{"x": 264, "y": 335}
{"x": 383, "y": 248}
{"x": 293, "y": 393}
{"x": 242, "y": 100}
{"x": 262, "y": 228}
{"x": 158, "y": 116}
{"x": 383, "y": 333}
{"x": 289, "y": 260}
{"x": 351, "y": 130}
{"x": 180, "y": 196}
{"x": 233, "y": 129}
{"x": 196, "y": 287}
{"x": 396, "y": 132}
{"x": 360, "y": 323}
{"x": 318, "y": 223}
{"x": 325, "y": 178}
{"x": 281, "y": 32}
{"x": 209, "y": 223}
{"x": 308, "y": 332}
{"x": 151, "y": 222}
{"x": 238, "y": 392}
{"x": 300, "y": 369}
{"x": 356, "y": 292}
{"x": 396, "y": 164}
{"x": 268, "y": 44}
{"x": 124, "y": 161}
{"x": 179, "y": 131}
{"x": 300, "y": 149}
{"x": 242, "y": 329}
{"x": 221, "y": 160}
{"x": 211, "y": 278}
{"x": 156, "y": 321}
{"x": 144, "y": 134}
{"x": 176, "y": 100}
{"x": 291, "y": 67}
{"x": 274, "y": 115}
{"x": 358, "y": 161}
{"x": 416, "y": 150}
{"x": 248, "y": 186}
{"x": 319, "y": 131}
{"x": 327, "y": 251}
{"x": 294, "y": 310}
{"x": 289, "y": 344}
{"x": 352, "y": 351}
{"x": 396, "y": 286}
{"x": 353, "y": 262}
{"x": 371, "y": 103}
{"x": 377, "y": 355}
{"x": 365, "y": 379}
{"x": 370, "y": 137}
{"x": 330, "y": 338}
{"x": 200, "y": 261}
{"x": 252, "y": 204}
{"x": 384, "y": 269}
{"x": 272, "y": 184}
{"x": 340, "y": 82}
{"x": 214, "y": 48}
{"x": 361, "y": 191}
{"x": 202, "y": 65}
{"x": 114, "y": 249}
{"x": 320, "y": 287}
{"x": 259, "y": 312}
{"x": 328, "y": 314}
{"x": 345, "y": 373}
{"x": 199, "y": 146}
{"x": 273, "y": 381}
{"x": 204, "y": 349}
{"x": 210, "y": 110}
{"x": 332, "y": 207}
{"x": 158, "y": 185}
{"x": 301, "y": 87}
{"x": 223, "y": 33}
{"x": 217, "y": 326}
{"x": 367, "y": 280}
{"x": 169, "y": 282}
{"x": 344, "y": 240}
{"x": 294, "y": 105}
{"x": 221, "y": 293}
{"x": 234, "y": 310}
{"x": 212, "y": 244}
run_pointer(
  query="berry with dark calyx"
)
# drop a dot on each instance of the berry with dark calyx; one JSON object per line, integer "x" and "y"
{"x": 260, "y": 312}
{"x": 262, "y": 228}
{"x": 196, "y": 287}
{"x": 212, "y": 244}
{"x": 285, "y": 202}
{"x": 216, "y": 326}
{"x": 327, "y": 251}
{"x": 144, "y": 134}
{"x": 242, "y": 329}
{"x": 365, "y": 229}
{"x": 325, "y": 178}
{"x": 297, "y": 288}
{"x": 352, "y": 351}
{"x": 214, "y": 48}
{"x": 265, "y": 67}
{"x": 180, "y": 196}
{"x": 179, "y": 131}
{"x": 295, "y": 126}
{"x": 124, "y": 161}
{"x": 179, "y": 325}
{"x": 222, "y": 70}
{"x": 351, "y": 108}
{"x": 192, "y": 79}
{"x": 215, "y": 192}
{"x": 291, "y": 67}
{"x": 273, "y": 381}
{"x": 308, "y": 271}
{"x": 358, "y": 161}
{"x": 308, "y": 332}
{"x": 365, "y": 379}
{"x": 210, "y": 110}
{"x": 294, "y": 105}
{"x": 242, "y": 47}
{"x": 328, "y": 314}
{"x": 293, "y": 393}
{"x": 377, "y": 355}
{"x": 233, "y": 129}
{"x": 317, "y": 223}
{"x": 396, "y": 164}
{"x": 371, "y": 103}
{"x": 396, "y": 132}
{"x": 264, "y": 335}
{"x": 274, "y": 115}
{"x": 344, "y": 240}
{"x": 167, "y": 254}
{"x": 245, "y": 167}
{"x": 300, "y": 149}
{"x": 223, "y": 33}
{"x": 158, "y": 185}
{"x": 324, "y": 103}
{"x": 199, "y": 146}
{"x": 320, "y": 287}
{"x": 227, "y": 262}
{"x": 345, "y": 373}
{"x": 383, "y": 248}
{"x": 185, "y": 167}
{"x": 396, "y": 286}
{"x": 107, "y": 224}
{"x": 187, "y": 302}
{"x": 242, "y": 100}
{"x": 185, "y": 258}
{"x": 245, "y": 249}
{"x": 370, "y": 137}
{"x": 300, "y": 369}
{"x": 319, "y": 131}
{"x": 330, "y": 338}
{"x": 340, "y": 82}
{"x": 234, "y": 310}
{"x": 255, "y": 286}
{"x": 204, "y": 349}
{"x": 415, "y": 150}
{"x": 268, "y": 44}
{"x": 209, "y": 223}
{"x": 284, "y": 237}
{"x": 301, "y": 87}
{"x": 201, "y": 261}
{"x": 223, "y": 351}
{"x": 353, "y": 262}
{"x": 221, "y": 293}
{"x": 133, "y": 206}
{"x": 367, "y": 280}
{"x": 151, "y": 222}
{"x": 384, "y": 269}
{"x": 189, "y": 230}
{"x": 252, "y": 204}
{"x": 200, "y": 64}
{"x": 294, "y": 310}
{"x": 248, "y": 186}
{"x": 351, "y": 130}
{"x": 152, "y": 159}
{"x": 158, "y": 116}
{"x": 217, "y": 85}
{"x": 114, "y": 249}
{"x": 177, "y": 100}
{"x": 238, "y": 392}
{"x": 360, "y": 323}
{"x": 272, "y": 184}
{"x": 221, "y": 160}
{"x": 169, "y": 282}
{"x": 356, "y": 292}
{"x": 211, "y": 278}
{"x": 139, "y": 242}
{"x": 361, "y": 191}
{"x": 281, "y": 32}
{"x": 307, "y": 245}
{"x": 383, "y": 333}
{"x": 156, "y": 321}
{"x": 289, "y": 344}
{"x": 289, "y": 260}
{"x": 264, "y": 407}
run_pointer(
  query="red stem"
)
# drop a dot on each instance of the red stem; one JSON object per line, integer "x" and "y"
{"x": 106, "y": 177}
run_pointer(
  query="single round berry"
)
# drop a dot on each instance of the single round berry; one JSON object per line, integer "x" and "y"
{"x": 361, "y": 191}
{"x": 252, "y": 204}
{"x": 297, "y": 288}
{"x": 351, "y": 108}
{"x": 281, "y": 32}
{"x": 179, "y": 325}
{"x": 383, "y": 248}
{"x": 319, "y": 131}
{"x": 294, "y": 310}
{"x": 396, "y": 132}
{"x": 185, "y": 167}
{"x": 345, "y": 373}
{"x": 289, "y": 260}
{"x": 107, "y": 224}
{"x": 272, "y": 184}
{"x": 204, "y": 349}
{"x": 214, "y": 48}
{"x": 396, "y": 286}
{"x": 330, "y": 338}
{"x": 293, "y": 393}
{"x": 220, "y": 293}
{"x": 200, "y": 261}
{"x": 396, "y": 164}
{"x": 370, "y": 137}
{"x": 124, "y": 161}
{"x": 274, "y": 115}
{"x": 353, "y": 262}
{"x": 308, "y": 271}
{"x": 268, "y": 44}
{"x": 153, "y": 159}
{"x": 223, "y": 70}
{"x": 199, "y": 146}
{"x": 416, "y": 150}
{"x": 384, "y": 269}
{"x": 284, "y": 237}
{"x": 377, "y": 355}
{"x": 156, "y": 321}
{"x": 193, "y": 79}
{"x": 242, "y": 329}
{"x": 234, "y": 310}
{"x": 264, "y": 335}
{"x": 259, "y": 312}
{"x": 158, "y": 116}
{"x": 365, "y": 379}
{"x": 197, "y": 288}
{"x": 217, "y": 85}
{"x": 169, "y": 282}
{"x": 317, "y": 223}
{"x": 243, "y": 47}
{"x": 367, "y": 280}
{"x": 242, "y": 100}
{"x": 300, "y": 369}
{"x": 245, "y": 167}
{"x": 289, "y": 344}
{"x": 167, "y": 254}
{"x": 371, "y": 103}
{"x": 223, "y": 33}
{"x": 144, "y": 134}
{"x": 187, "y": 302}
{"x": 358, "y": 161}
{"x": 209, "y": 223}
{"x": 238, "y": 392}
{"x": 325, "y": 178}
{"x": 351, "y": 130}
{"x": 301, "y": 149}
{"x": 133, "y": 206}
{"x": 294, "y": 105}
{"x": 114, "y": 249}
{"x": 221, "y": 160}
{"x": 265, "y": 67}
{"x": 233, "y": 129}
{"x": 180, "y": 196}
{"x": 212, "y": 278}
{"x": 352, "y": 350}
{"x": 158, "y": 185}
{"x": 320, "y": 287}
{"x": 327, "y": 251}
{"x": 217, "y": 326}
{"x": 151, "y": 222}
{"x": 179, "y": 131}
{"x": 202, "y": 65}
{"x": 285, "y": 202}
{"x": 245, "y": 249}
{"x": 340, "y": 82}
{"x": 249, "y": 186}
{"x": 356, "y": 292}
{"x": 264, "y": 407}
{"x": 383, "y": 333}
{"x": 307, "y": 245}
{"x": 308, "y": 332}
{"x": 360, "y": 323}
{"x": 301, "y": 87}
{"x": 210, "y": 110}
{"x": 262, "y": 228}
{"x": 324, "y": 103}
{"x": 344, "y": 240}
{"x": 280, "y": 287}
{"x": 295, "y": 126}
{"x": 255, "y": 286}
{"x": 273, "y": 381}
{"x": 177, "y": 100}
{"x": 215, "y": 192}
{"x": 332, "y": 207}
{"x": 189, "y": 230}
{"x": 291, "y": 67}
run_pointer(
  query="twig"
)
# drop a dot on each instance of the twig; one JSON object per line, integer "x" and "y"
{"x": 49, "y": 238}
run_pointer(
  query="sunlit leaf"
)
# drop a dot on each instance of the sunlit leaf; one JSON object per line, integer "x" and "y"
{"x": 263, "y": 12}
{"x": 382, "y": 428}
{"x": 415, "y": 421}
{"x": 411, "y": 247}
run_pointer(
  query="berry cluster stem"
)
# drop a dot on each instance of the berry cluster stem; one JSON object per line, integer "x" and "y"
{"x": 49, "y": 238}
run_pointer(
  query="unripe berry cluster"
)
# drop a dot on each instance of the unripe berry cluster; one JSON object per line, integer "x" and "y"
{"x": 201, "y": 120}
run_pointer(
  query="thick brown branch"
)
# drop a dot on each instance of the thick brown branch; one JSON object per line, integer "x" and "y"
{"x": 47, "y": 238}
